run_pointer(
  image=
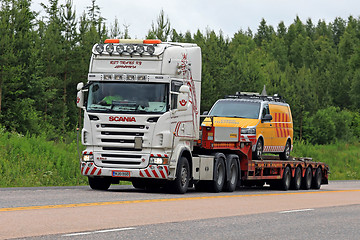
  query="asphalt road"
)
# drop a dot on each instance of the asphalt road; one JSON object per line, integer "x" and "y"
{"x": 126, "y": 213}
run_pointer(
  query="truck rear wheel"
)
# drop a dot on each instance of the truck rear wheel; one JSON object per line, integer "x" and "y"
{"x": 307, "y": 179}
{"x": 316, "y": 182}
{"x": 230, "y": 185}
{"x": 97, "y": 183}
{"x": 181, "y": 183}
{"x": 219, "y": 173}
{"x": 286, "y": 179}
{"x": 296, "y": 180}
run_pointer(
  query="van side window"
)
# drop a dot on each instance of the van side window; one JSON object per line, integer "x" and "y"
{"x": 265, "y": 110}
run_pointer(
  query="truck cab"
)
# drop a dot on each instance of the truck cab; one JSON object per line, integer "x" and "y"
{"x": 140, "y": 103}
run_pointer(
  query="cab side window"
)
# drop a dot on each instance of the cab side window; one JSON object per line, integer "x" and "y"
{"x": 265, "y": 110}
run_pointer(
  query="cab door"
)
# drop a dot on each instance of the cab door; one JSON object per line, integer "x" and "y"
{"x": 266, "y": 128}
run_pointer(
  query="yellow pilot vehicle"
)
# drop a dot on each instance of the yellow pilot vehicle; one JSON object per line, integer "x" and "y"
{"x": 265, "y": 121}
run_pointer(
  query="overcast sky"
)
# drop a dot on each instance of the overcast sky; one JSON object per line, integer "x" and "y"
{"x": 227, "y": 15}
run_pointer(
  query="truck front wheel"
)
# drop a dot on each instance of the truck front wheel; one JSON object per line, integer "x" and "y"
{"x": 97, "y": 183}
{"x": 181, "y": 183}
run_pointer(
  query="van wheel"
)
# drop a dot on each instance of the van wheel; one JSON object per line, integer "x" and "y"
{"x": 286, "y": 154}
{"x": 258, "y": 150}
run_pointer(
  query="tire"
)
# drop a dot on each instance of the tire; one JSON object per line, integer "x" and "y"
{"x": 286, "y": 179}
{"x": 286, "y": 154}
{"x": 307, "y": 179}
{"x": 296, "y": 180}
{"x": 201, "y": 186}
{"x": 258, "y": 149}
{"x": 99, "y": 183}
{"x": 233, "y": 174}
{"x": 181, "y": 183}
{"x": 316, "y": 181}
{"x": 219, "y": 174}
{"x": 139, "y": 183}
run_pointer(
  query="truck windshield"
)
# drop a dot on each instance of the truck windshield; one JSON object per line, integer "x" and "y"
{"x": 239, "y": 109}
{"x": 128, "y": 97}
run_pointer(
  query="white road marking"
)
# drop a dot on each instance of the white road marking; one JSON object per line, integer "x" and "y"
{"x": 100, "y": 231}
{"x": 298, "y": 210}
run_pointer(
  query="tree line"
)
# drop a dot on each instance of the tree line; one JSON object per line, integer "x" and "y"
{"x": 314, "y": 66}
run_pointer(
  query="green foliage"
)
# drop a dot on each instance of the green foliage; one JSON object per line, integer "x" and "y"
{"x": 34, "y": 161}
{"x": 343, "y": 158}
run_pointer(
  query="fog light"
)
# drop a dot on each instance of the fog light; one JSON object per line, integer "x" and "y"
{"x": 99, "y": 48}
{"x": 110, "y": 48}
{"x": 150, "y": 49}
{"x": 120, "y": 49}
{"x": 140, "y": 49}
{"x": 130, "y": 48}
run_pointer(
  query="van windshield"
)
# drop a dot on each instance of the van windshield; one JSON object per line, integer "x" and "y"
{"x": 239, "y": 109}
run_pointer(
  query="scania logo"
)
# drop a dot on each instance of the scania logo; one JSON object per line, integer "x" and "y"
{"x": 122, "y": 119}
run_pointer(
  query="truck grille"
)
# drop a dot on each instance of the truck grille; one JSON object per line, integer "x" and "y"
{"x": 117, "y": 145}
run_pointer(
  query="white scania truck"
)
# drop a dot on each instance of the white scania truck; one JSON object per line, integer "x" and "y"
{"x": 141, "y": 113}
{"x": 141, "y": 123}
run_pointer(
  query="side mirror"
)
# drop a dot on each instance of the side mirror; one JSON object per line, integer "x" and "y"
{"x": 80, "y": 95}
{"x": 205, "y": 113}
{"x": 183, "y": 98}
{"x": 80, "y": 85}
{"x": 266, "y": 118}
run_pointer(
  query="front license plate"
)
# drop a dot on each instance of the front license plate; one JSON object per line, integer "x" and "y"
{"x": 121, "y": 174}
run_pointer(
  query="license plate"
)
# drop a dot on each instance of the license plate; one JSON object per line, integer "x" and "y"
{"x": 121, "y": 174}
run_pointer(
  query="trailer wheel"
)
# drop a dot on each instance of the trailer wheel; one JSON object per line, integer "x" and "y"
{"x": 230, "y": 185}
{"x": 219, "y": 174}
{"x": 296, "y": 180}
{"x": 285, "y": 155}
{"x": 99, "y": 183}
{"x": 258, "y": 149}
{"x": 286, "y": 179}
{"x": 307, "y": 179}
{"x": 316, "y": 182}
{"x": 181, "y": 183}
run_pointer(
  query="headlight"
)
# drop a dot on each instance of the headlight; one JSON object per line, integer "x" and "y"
{"x": 88, "y": 158}
{"x": 248, "y": 131}
{"x": 158, "y": 160}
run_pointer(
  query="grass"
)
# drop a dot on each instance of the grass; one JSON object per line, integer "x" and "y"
{"x": 32, "y": 161}
{"x": 342, "y": 158}
{"x": 27, "y": 161}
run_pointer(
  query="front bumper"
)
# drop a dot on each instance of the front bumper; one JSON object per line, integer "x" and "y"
{"x": 152, "y": 171}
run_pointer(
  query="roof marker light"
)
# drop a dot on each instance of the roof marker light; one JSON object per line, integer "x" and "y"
{"x": 112, "y": 41}
{"x": 152, "y": 41}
